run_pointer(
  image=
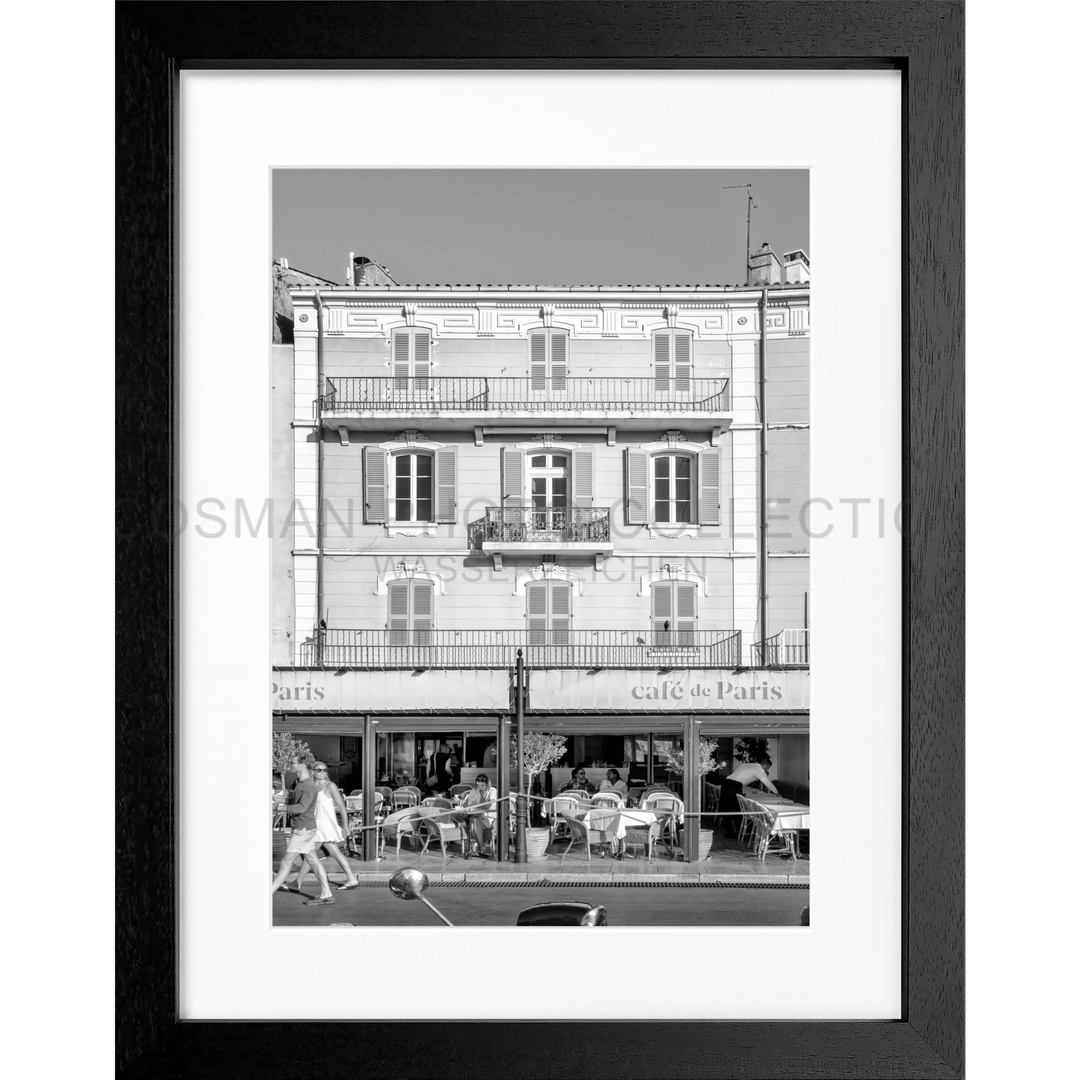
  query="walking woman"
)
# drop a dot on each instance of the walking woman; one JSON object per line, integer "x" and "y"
{"x": 329, "y": 802}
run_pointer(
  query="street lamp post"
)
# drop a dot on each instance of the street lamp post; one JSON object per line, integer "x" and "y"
{"x": 520, "y": 853}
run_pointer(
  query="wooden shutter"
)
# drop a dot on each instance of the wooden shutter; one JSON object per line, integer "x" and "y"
{"x": 398, "y": 603}
{"x": 682, "y": 362}
{"x": 375, "y": 494}
{"x": 423, "y": 611}
{"x": 401, "y": 360}
{"x": 558, "y": 362}
{"x": 637, "y": 487}
{"x": 662, "y": 360}
{"x": 685, "y": 614}
{"x": 538, "y": 360}
{"x": 709, "y": 487}
{"x": 536, "y": 611}
{"x": 560, "y": 613}
{"x": 662, "y": 612}
{"x": 445, "y": 483}
{"x": 513, "y": 477}
{"x": 581, "y": 478}
{"x": 421, "y": 359}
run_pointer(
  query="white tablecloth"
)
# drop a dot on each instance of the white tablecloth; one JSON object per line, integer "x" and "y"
{"x": 785, "y": 815}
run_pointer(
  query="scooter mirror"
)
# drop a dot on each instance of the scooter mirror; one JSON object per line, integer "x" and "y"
{"x": 409, "y": 884}
{"x": 596, "y": 916}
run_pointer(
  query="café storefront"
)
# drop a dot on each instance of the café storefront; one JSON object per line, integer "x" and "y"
{"x": 380, "y": 725}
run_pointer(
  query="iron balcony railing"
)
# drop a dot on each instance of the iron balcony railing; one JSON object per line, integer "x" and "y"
{"x": 346, "y": 394}
{"x": 788, "y": 648}
{"x": 381, "y": 650}
{"x": 546, "y": 525}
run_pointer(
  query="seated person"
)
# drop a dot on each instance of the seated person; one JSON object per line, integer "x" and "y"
{"x": 477, "y": 814}
{"x": 612, "y": 782}
{"x": 579, "y": 782}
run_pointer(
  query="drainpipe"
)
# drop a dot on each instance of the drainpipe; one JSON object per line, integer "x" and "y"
{"x": 319, "y": 635}
{"x": 763, "y": 488}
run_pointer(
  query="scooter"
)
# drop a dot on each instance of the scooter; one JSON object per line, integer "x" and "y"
{"x": 411, "y": 884}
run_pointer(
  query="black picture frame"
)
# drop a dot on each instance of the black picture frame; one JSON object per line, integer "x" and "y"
{"x": 924, "y": 40}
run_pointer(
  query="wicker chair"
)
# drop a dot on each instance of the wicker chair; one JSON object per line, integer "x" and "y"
{"x": 560, "y": 806}
{"x": 669, "y": 822}
{"x": 577, "y": 831}
{"x": 399, "y": 824}
{"x": 434, "y": 825}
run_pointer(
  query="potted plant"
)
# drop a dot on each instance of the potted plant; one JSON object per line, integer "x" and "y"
{"x": 539, "y": 753}
{"x": 707, "y": 762}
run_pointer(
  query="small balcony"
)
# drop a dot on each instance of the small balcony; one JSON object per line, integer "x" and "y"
{"x": 788, "y": 648}
{"x": 382, "y": 650}
{"x": 513, "y": 530}
{"x": 445, "y": 403}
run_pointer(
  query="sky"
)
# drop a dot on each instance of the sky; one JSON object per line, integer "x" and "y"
{"x": 537, "y": 226}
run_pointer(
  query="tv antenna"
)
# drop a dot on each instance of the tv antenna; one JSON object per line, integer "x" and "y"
{"x": 750, "y": 204}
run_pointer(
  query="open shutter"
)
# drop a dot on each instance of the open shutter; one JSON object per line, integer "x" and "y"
{"x": 374, "y": 485}
{"x": 662, "y": 611}
{"x": 446, "y": 484}
{"x": 581, "y": 477}
{"x": 536, "y": 611}
{"x": 399, "y": 612}
{"x": 560, "y": 613}
{"x": 538, "y": 360}
{"x": 682, "y": 362}
{"x": 558, "y": 362}
{"x": 401, "y": 360}
{"x": 421, "y": 360}
{"x": 709, "y": 487}
{"x": 685, "y": 622}
{"x": 513, "y": 478}
{"x": 423, "y": 613}
{"x": 637, "y": 487}
{"x": 662, "y": 360}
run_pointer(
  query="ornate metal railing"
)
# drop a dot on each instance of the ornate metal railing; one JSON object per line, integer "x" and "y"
{"x": 788, "y": 648}
{"x": 345, "y": 394}
{"x": 381, "y": 650}
{"x": 547, "y": 525}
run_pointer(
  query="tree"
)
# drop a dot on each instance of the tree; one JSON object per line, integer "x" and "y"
{"x": 541, "y": 752}
{"x": 706, "y": 758}
{"x": 751, "y": 749}
{"x": 286, "y": 749}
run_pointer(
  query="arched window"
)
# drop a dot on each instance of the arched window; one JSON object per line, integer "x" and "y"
{"x": 673, "y": 488}
{"x": 410, "y": 485}
{"x": 413, "y": 486}
{"x": 668, "y": 485}
{"x": 674, "y": 613}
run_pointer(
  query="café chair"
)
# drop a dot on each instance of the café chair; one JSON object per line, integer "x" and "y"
{"x": 399, "y": 824}
{"x": 561, "y": 806}
{"x": 403, "y": 797}
{"x": 669, "y": 820}
{"x": 643, "y": 836}
{"x": 577, "y": 831}
{"x": 441, "y": 828}
{"x": 747, "y": 822}
{"x": 607, "y": 798}
{"x": 358, "y": 791}
{"x": 385, "y": 792}
{"x": 459, "y": 789}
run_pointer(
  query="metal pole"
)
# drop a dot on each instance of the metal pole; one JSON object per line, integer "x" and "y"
{"x": 521, "y": 854}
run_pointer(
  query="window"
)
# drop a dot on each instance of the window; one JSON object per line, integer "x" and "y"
{"x": 548, "y": 612}
{"x": 672, "y": 360}
{"x": 674, "y": 613}
{"x": 549, "y": 478}
{"x": 557, "y": 478}
{"x": 672, "y": 487}
{"x": 411, "y": 359}
{"x": 413, "y": 482}
{"x": 547, "y": 359}
{"x": 411, "y": 612}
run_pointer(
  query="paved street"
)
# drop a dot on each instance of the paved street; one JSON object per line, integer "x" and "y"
{"x": 498, "y": 906}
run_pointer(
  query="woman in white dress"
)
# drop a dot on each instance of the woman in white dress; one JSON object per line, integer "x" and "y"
{"x": 328, "y": 832}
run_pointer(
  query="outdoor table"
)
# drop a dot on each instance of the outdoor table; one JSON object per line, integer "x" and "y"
{"x": 612, "y": 821}
{"x": 785, "y": 815}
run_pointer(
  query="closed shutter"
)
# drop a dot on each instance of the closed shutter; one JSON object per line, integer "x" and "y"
{"x": 538, "y": 361}
{"x": 401, "y": 360}
{"x": 423, "y": 613}
{"x": 682, "y": 362}
{"x": 446, "y": 484}
{"x": 536, "y": 595}
{"x": 581, "y": 477}
{"x": 421, "y": 360}
{"x": 560, "y": 613}
{"x": 637, "y": 487}
{"x": 558, "y": 362}
{"x": 662, "y": 360}
{"x": 398, "y": 612}
{"x": 513, "y": 479}
{"x": 709, "y": 489}
{"x": 375, "y": 496}
{"x": 662, "y": 613}
{"x": 685, "y": 621}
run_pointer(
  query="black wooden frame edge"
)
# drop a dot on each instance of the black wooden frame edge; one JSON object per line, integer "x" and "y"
{"x": 922, "y": 37}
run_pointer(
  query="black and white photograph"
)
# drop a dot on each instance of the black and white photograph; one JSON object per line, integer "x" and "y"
{"x": 541, "y": 607}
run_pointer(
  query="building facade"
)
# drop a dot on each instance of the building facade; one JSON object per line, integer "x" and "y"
{"x": 608, "y": 479}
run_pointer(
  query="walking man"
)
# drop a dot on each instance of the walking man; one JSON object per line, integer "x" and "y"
{"x": 301, "y": 811}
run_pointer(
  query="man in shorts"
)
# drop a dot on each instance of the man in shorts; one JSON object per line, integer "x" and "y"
{"x": 301, "y": 811}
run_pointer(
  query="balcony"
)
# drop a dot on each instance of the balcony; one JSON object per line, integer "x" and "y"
{"x": 382, "y": 650}
{"x": 447, "y": 403}
{"x": 516, "y": 530}
{"x": 789, "y": 648}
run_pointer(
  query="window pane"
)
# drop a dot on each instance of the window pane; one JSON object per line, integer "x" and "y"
{"x": 402, "y": 465}
{"x": 538, "y": 461}
{"x": 663, "y": 464}
{"x": 423, "y": 509}
{"x": 403, "y": 510}
{"x": 682, "y": 511}
{"x": 558, "y": 491}
{"x": 423, "y": 487}
{"x": 423, "y": 465}
{"x": 682, "y": 467}
{"x": 402, "y": 486}
{"x": 558, "y": 461}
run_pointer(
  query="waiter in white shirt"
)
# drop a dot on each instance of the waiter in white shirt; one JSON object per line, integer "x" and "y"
{"x": 732, "y": 785}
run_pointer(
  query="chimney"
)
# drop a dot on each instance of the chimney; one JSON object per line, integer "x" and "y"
{"x": 796, "y": 267}
{"x": 764, "y": 267}
{"x": 364, "y": 271}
